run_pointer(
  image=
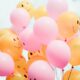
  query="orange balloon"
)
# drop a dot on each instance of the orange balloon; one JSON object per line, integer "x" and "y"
{"x": 21, "y": 67}
{"x": 68, "y": 24}
{"x": 75, "y": 51}
{"x": 74, "y": 75}
{"x": 16, "y": 76}
{"x": 37, "y": 53}
{"x": 9, "y": 43}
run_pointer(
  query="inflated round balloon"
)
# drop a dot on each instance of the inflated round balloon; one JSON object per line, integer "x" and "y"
{"x": 20, "y": 19}
{"x": 21, "y": 67}
{"x": 68, "y": 24}
{"x": 33, "y": 54}
{"x": 75, "y": 49}
{"x": 35, "y": 58}
{"x": 6, "y": 64}
{"x": 74, "y": 75}
{"x": 29, "y": 41}
{"x": 9, "y": 43}
{"x": 46, "y": 29}
{"x": 38, "y": 72}
{"x": 40, "y": 12}
{"x": 27, "y": 6}
{"x": 16, "y": 76}
{"x": 20, "y": 64}
{"x": 37, "y": 53}
{"x": 37, "y": 13}
{"x": 58, "y": 53}
{"x": 56, "y": 7}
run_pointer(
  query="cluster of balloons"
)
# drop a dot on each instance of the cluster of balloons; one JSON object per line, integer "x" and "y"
{"x": 50, "y": 43}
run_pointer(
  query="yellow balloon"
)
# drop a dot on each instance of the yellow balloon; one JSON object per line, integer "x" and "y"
{"x": 10, "y": 43}
{"x": 68, "y": 24}
{"x": 40, "y": 12}
{"x": 75, "y": 51}
{"x": 74, "y": 75}
{"x": 16, "y": 76}
{"x": 37, "y": 53}
{"x": 37, "y": 13}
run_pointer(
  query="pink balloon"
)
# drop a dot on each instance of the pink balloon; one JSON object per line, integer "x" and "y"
{"x": 56, "y": 7}
{"x": 6, "y": 64}
{"x": 46, "y": 29}
{"x": 58, "y": 53}
{"x": 29, "y": 40}
{"x": 20, "y": 19}
{"x": 40, "y": 70}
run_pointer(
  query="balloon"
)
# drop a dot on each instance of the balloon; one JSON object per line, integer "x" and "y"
{"x": 16, "y": 76}
{"x": 17, "y": 30}
{"x": 20, "y": 19}
{"x": 68, "y": 24}
{"x": 56, "y": 7}
{"x": 40, "y": 12}
{"x": 46, "y": 29}
{"x": 35, "y": 58}
{"x": 38, "y": 72}
{"x": 37, "y": 13}
{"x": 29, "y": 40}
{"x": 21, "y": 67}
{"x": 58, "y": 53}
{"x": 75, "y": 49}
{"x": 37, "y": 53}
{"x": 20, "y": 64}
{"x": 75, "y": 75}
{"x": 6, "y": 64}
{"x": 10, "y": 44}
{"x": 33, "y": 54}
{"x": 25, "y": 4}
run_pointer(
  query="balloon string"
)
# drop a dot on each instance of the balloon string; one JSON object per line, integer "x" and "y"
{"x": 70, "y": 72}
{"x": 56, "y": 73}
{"x": 54, "y": 69}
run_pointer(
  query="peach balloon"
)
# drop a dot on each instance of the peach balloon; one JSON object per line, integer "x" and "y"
{"x": 9, "y": 43}
{"x": 74, "y": 75}
{"x": 74, "y": 45}
{"x": 68, "y": 24}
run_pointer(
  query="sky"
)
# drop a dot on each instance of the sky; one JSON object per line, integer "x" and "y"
{"x": 7, "y": 6}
